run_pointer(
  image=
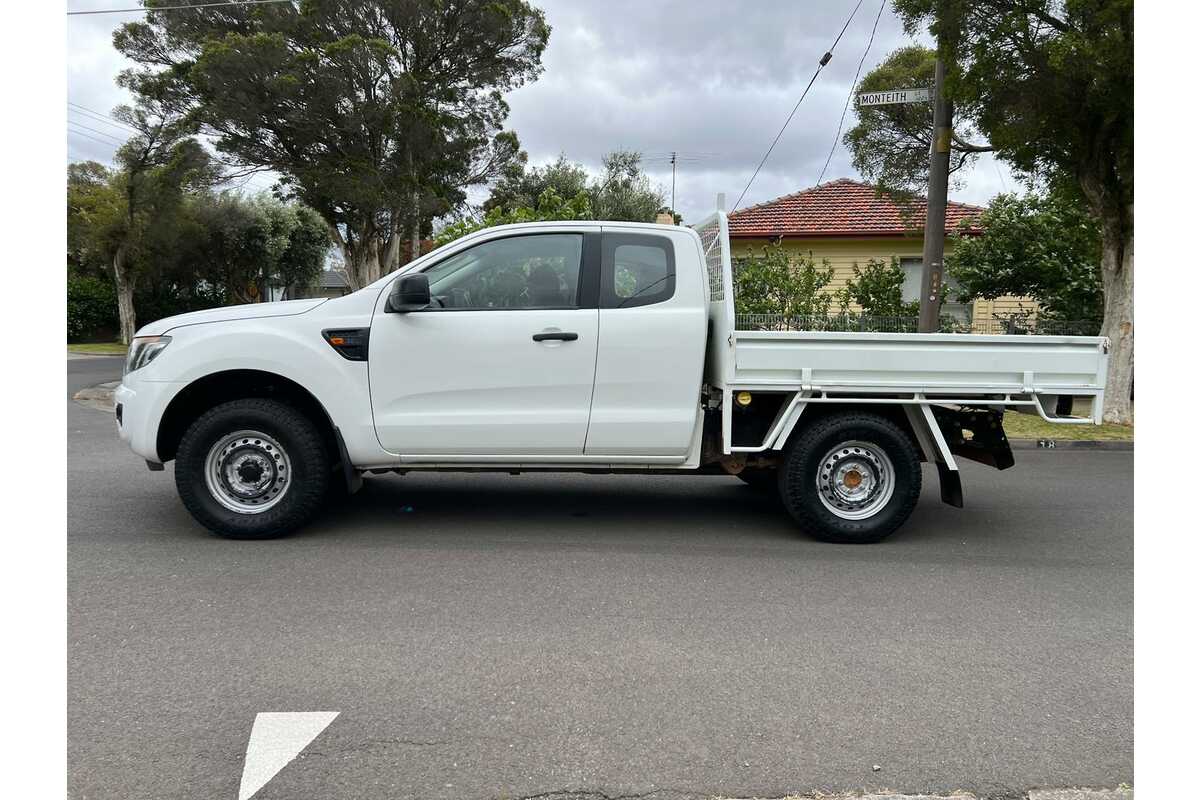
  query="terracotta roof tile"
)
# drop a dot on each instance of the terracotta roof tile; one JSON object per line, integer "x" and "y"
{"x": 842, "y": 207}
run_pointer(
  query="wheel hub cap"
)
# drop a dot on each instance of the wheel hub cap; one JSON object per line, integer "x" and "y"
{"x": 247, "y": 472}
{"x": 855, "y": 480}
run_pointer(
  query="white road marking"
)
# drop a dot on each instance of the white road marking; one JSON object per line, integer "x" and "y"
{"x": 276, "y": 738}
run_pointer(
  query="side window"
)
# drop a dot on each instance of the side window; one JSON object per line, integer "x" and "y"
{"x": 636, "y": 269}
{"x": 533, "y": 271}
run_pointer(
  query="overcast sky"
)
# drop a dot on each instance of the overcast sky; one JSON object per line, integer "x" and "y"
{"x": 710, "y": 80}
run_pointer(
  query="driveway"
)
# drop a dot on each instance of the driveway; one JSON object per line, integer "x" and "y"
{"x": 488, "y": 636}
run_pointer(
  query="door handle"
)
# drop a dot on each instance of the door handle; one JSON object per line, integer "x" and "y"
{"x": 561, "y": 336}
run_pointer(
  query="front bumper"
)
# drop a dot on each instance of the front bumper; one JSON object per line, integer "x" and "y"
{"x": 141, "y": 407}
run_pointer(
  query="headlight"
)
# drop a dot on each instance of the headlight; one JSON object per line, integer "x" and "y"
{"x": 143, "y": 350}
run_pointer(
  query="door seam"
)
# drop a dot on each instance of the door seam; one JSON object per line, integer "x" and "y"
{"x": 592, "y": 399}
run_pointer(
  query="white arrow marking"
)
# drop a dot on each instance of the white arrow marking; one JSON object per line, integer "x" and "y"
{"x": 275, "y": 739}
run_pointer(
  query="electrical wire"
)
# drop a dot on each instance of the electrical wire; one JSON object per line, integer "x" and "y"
{"x": 101, "y": 117}
{"x": 95, "y": 130}
{"x": 93, "y": 138}
{"x": 249, "y": 181}
{"x": 820, "y": 66}
{"x": 140, "y": 9}
{"x": 853, "y": 86}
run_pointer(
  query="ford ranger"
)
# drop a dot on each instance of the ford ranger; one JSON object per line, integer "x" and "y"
{"x": 598, "y": 347}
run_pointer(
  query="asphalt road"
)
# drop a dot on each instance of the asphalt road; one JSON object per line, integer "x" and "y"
{"x": 506, "y": 636}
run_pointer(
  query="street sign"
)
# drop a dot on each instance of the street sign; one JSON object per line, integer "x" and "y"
{"x": 895, "y": 96}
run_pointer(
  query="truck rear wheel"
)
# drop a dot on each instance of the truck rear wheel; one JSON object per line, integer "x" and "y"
{"x": 252, "y": 469}
{"x": 851, "y": 478}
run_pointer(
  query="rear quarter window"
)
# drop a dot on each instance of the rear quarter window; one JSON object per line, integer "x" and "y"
{"x": 636, "y": 270}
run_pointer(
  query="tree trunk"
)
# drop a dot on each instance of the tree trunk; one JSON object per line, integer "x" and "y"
{"x": 391, "y": 252}
{"x": 415, "y": 247}
{"x": 362, "y": 262}
{"x": 415, "y": 219}
{"x": 125, "y": 310}
{"x": 1102, "y": 188}
{"x": 1116, "y": 264}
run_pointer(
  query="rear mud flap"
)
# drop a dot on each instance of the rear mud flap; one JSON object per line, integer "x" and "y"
{"x": 951, "y": 485}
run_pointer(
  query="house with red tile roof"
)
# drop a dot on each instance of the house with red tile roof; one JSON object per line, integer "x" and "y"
{"x": 844, "y": 222}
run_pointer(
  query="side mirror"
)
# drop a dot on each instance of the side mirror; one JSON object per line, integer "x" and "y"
{"x": 409, "y": 293}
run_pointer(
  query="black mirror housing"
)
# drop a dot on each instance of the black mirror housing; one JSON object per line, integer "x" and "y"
{"x": 409, "y": 293}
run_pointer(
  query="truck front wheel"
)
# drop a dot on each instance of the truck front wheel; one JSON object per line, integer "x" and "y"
{"x": 252, "y": 469}
{"x": 851, "y": 478}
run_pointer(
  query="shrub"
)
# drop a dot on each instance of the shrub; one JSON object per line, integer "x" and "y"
{"x": 878, "y": 290}
{"x": 91, "y": 308}
{"x": 773, "y": 281}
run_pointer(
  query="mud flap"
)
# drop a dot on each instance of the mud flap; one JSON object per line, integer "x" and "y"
{"x": 951, "y": 485}
{"x": 350, "y": 475}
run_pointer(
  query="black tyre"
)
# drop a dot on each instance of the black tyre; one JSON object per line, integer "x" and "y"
{"x": 252, "y": 469}
{"x": 850, "y": 478}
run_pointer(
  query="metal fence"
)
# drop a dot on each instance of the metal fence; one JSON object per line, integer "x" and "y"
{"x": 949, "y": 324}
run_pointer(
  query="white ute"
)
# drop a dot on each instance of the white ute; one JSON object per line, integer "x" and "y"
{"x": 601, "y": 347}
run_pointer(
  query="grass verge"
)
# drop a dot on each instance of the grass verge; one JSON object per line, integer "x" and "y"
{"x": 1029, "y": 426}
{"x": 99, "y": 348}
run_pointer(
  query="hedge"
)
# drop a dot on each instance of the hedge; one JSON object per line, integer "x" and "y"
{"x": 91, "y": 308}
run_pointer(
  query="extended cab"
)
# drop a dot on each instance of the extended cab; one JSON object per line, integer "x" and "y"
{"x": 597, "y": 347}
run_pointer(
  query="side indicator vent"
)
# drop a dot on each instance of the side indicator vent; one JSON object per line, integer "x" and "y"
{"x": 351, "y": 343}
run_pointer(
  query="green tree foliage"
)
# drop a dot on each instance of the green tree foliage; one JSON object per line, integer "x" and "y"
{"x": 239, "y": 248}
{"x": 623, "y": 191}
{"x": 91, "y": 307}
{"x": 890, "y": 144}
{"x": 773, "y": 281}
{"x": 115, "y": 217}
{"x": 522, "y": 187}
{"x": 1042, "y": 246}
{"x": 377, "y": 113}
{"x": 877, "y": 290}
{"x": 200, "y": 251}
{"x": 86, "y": 180}
{"x": 1050, "y": 84}
{"x": 550, "y": 207}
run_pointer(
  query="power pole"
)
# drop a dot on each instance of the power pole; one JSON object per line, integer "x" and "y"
{"x": 932, "y": 266}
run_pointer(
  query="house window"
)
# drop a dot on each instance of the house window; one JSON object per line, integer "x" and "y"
{"x": 912, "y": 291}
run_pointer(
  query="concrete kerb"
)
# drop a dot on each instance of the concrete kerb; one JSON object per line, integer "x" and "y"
{"x": 1120, "y": 793}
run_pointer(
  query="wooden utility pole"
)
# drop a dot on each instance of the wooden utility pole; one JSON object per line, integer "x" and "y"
{"x": 933, "y": 264}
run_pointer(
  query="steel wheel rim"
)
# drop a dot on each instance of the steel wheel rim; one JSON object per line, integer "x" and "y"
{"x": 855, "y": 480}
{"x": 247, "y": 472}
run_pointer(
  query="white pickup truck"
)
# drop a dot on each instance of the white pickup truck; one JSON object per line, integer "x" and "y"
{"x": 599, "y": 347}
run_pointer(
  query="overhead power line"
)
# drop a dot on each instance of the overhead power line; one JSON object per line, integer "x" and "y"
{"x": 95, "y": 130}
{"x": 820, "y": 66}
{"x": 93, "y": 138}
{"x": 144, "y": 9}
{"x": 250, "y": 181}
{"x": 853, "y": 86}
{"x": 100, "y": 116}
